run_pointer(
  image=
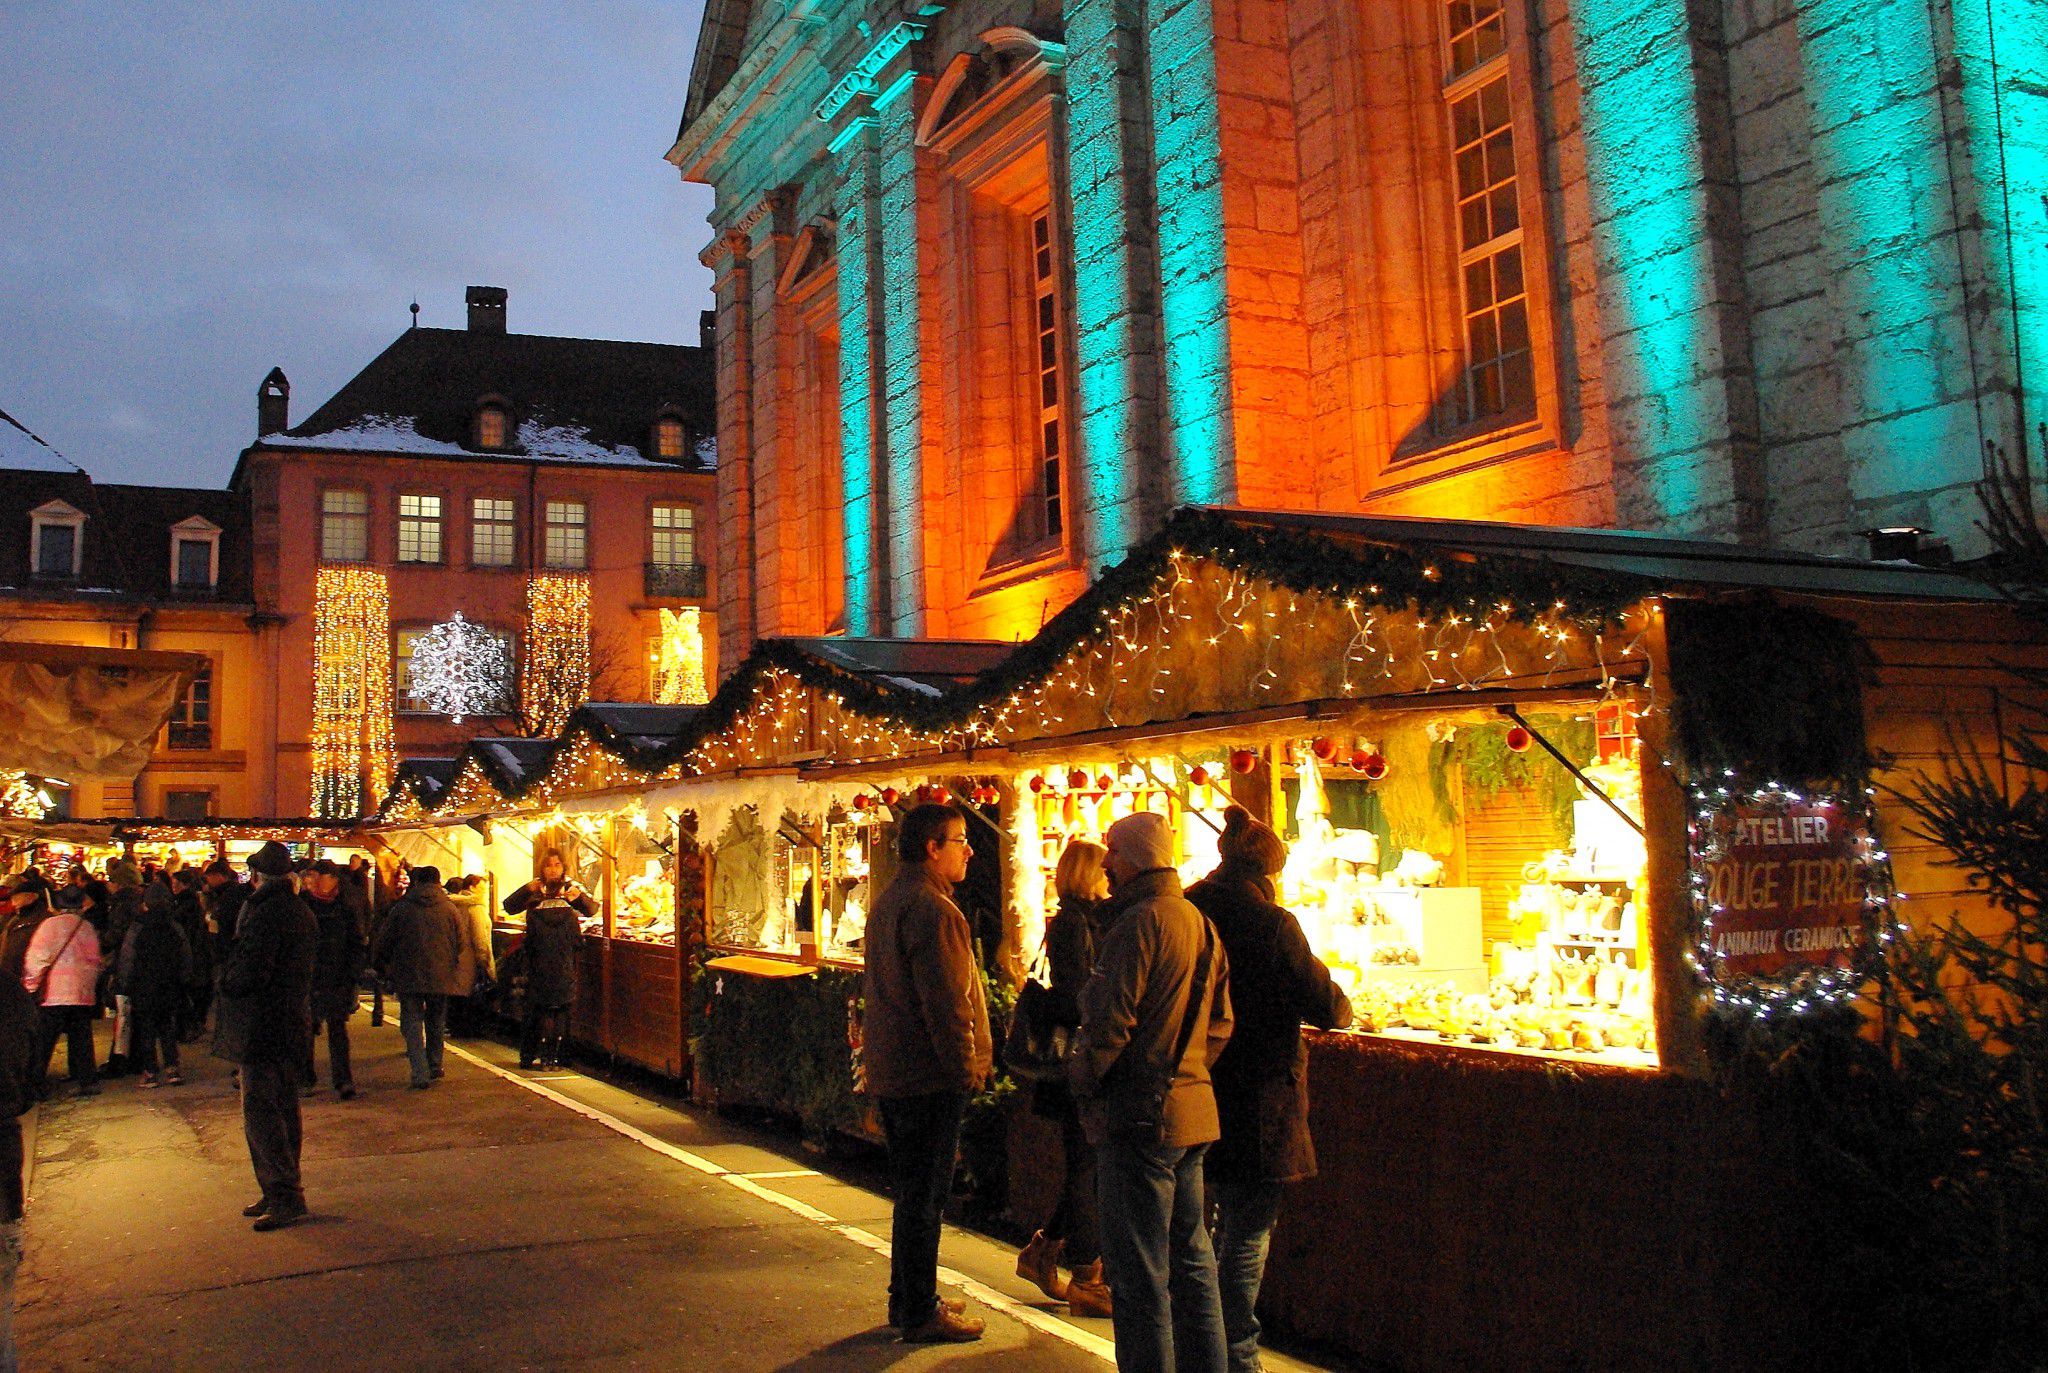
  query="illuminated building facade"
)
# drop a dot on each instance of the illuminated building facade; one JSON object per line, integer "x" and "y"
{"x": 1000, "y": 285}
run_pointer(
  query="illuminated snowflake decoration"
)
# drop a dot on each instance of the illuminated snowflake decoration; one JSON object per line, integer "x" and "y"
{"x": 460, "y": 669}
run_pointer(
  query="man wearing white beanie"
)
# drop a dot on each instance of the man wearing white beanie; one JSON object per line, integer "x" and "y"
{"x": 1154, "y": 1016}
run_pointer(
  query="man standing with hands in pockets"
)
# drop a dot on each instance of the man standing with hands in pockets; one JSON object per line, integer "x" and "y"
{"x": 927, "y": 1050}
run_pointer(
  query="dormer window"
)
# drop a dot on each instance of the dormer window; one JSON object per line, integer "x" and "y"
{"x": 668, "y": 437}
{"x": 493, "y": 425}
{"x": 56, "y": 541}
{"x": 195, "y": 556}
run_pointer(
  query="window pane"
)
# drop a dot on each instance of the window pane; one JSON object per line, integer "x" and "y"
{"x": 565, "y": 541}
{"x": 1518, "y": 383}
{"x": 1464, "y": 121}
{"x": 490, "y": 427}
{"x": 668, "y": 439}
{"x": 1500, "y": 157}
{"x": 492, "y": 532}
{"x": 1507, "y": 213}
{"x": 1472, "y": 171}
{"x": 1472, "y": 224}
{"x": 345, "y": 526}
{"x": 1478, "y": 286}
{"x": 345, "y": 502}
{"x": 1514, "y": 328}
{"x": 59, "y": 548}
{"x": 1493, "y": 103}
{"x": 195, "y": 562}
{"x": 1507, "y": 274}
{"x": 675, "y": 536}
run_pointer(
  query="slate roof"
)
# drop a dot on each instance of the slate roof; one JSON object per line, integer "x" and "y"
{"x": 927, "y": 666}
{"x": 127, "y": 548}
{"x": 572, "y": 399}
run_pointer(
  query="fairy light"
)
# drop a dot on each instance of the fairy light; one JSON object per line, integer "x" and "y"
{"x": 679, "y": 660}
{"x": 555, "y": 678}
{"x": 352, "y": 745}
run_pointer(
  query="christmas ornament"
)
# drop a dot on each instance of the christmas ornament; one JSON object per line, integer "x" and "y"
{"x": 1244, "y": 760}
{"x": 1198, "y": 775}
{"x": 1374, "y": 766}
{"x": 1358, "y": 757}
{"x": 1037, "y": 784}
{"x": 890, "y": 796}
{"x": 862, "y": 801}
{"x": 1077, "y": 780}
{"x": 459, "y": 669}
{"x": 1519, "y": 739}
{"x": 1324, "y": 749}
{"x": 1103, "y": 781}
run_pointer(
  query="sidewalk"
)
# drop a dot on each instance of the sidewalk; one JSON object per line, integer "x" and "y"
{"x": 501, "y": 1220}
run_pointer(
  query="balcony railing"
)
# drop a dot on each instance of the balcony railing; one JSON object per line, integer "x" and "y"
{"x": 675, "y": 580}
{"x": 184, "y": 735}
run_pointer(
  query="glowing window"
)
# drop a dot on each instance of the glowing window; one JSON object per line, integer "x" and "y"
{"x": 419, "y": 529}
{"x": 345, "y": 526}
{"x": 493, "y": 532}
{"x": 567, "y": 535}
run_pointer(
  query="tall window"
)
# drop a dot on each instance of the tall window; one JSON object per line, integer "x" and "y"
{"x": 567, "y": 549}
{"x": 675, "y": 535}
{"x": 668, "y": 438}
{"x": 419, "y": 529}
{"x": 1046, "y": 325}
{"x": 192, "y": 719}
{"x": 1498, "y": 372}
{"x": 345, "y": 526}
{"x": 493, "y": 532}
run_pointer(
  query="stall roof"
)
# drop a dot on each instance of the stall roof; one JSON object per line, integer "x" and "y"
{"x": 513, "y": 760}
{"x": 1676, "y": 564}
{"x": 928, "y": 666}
{"x": 428, "y": 778}
{"x": 637, "y": 723}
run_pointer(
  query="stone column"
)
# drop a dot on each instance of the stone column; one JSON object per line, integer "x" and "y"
{"x": 861, "y": 472}
{"x": 909, "y": 424}
{"x": 733, "y": 291}
{"x": 768, "y": 234}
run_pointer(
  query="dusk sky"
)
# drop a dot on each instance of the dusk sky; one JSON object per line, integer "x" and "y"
{"x": 191, "y": 194}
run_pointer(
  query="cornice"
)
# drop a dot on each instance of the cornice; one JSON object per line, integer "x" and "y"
{"x": 764, "y": 67}
{"x": 860, "y": 79}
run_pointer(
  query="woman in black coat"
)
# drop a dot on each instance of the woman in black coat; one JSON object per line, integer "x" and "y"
{"x": 188, "y": 910}
{"x": 1261, "y": 1078}
{"x": 553, "y": 906}
{"x": 1073, "y": 1234}
{"x": 154, "y": 965}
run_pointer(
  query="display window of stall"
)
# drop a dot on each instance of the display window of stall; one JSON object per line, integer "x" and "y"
{"x": 801, "y": 889}
{"x": 1464, "y": 886}
{"x": 644, "y": 878}
{"x": 846, "y": 861}
{"x": 1062, "y": 801}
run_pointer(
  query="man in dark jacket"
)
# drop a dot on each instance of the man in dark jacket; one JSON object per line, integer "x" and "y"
{"x": 225, "y": 897}
{"x": 1261, "y": 1078}
{"x": 418, "y": 952}
{"x": 188, "y": 909}
{"x": 925, "y": 1043}
{"x": 1155, "y": 1015}
{"x": 20, "y": 1040}
{"x": 553, "y": 906}
{"x": 337, "y": 967}
{"x": 266, "y": 1026}
{"x": 151, "y": 972}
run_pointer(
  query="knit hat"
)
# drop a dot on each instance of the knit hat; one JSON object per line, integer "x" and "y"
{"x": 1141, "y": 842}
{"x": 1247, "y": 843}
{"x": 122, "y": 872}
{"x": 272, "y": 860}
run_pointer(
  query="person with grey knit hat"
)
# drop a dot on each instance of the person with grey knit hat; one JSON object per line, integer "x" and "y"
{"x": 1155, "y": 1014}
{"x": 265, "y": 1024}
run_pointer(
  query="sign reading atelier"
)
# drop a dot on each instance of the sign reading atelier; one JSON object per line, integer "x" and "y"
{"x": 1786, "y": 885}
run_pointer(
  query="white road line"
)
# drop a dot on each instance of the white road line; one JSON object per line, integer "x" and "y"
{"x": 784, "y": 1173}
{"x": 746, "y": 1182}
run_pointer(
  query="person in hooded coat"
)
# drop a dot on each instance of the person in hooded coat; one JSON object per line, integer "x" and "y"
{"x": 1261, "y": 1078}
{"x": 418, "y": 952}
{"x": 552, "y": 904}
{"x": 476, "y": 968}
{"x": 151, "y": 972}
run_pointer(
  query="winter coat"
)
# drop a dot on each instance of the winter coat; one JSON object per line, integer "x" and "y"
{"x": 552, "y": 932}
{"x": 419, "y": 946}
{"x": 266, "y": 985}
{"x": 475, "y": 965}
{"x": 224, "y": 904}
{"x": 1070, "y": 938}
{"x": 66, "y": 965}
{"x": 154, "y": 963}
{"x": 925, "y": 1028}
{"x": 15, "y": 934}
{"x": 20, "y": 1038}
{"x": 1132, "y": 1010}
{"x": 122, "y": 912}
{"x": 1261, "y": 1078}
{"x": 337, "y": 960}
{"x": 190, "y": 914}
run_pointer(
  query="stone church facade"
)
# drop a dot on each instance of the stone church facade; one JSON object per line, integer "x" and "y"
{"x": 1001, "y": 282}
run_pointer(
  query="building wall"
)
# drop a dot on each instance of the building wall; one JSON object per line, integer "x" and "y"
{"x": 1776, "y": 291}
{"x": 285, "y": 490}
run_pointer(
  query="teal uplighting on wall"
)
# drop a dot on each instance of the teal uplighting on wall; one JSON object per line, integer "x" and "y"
{"x": 1645, "y": 173}
{"x": 1193, "y": 309}
{"x": 902, "y": 382}
{"x": 856, "y": 382}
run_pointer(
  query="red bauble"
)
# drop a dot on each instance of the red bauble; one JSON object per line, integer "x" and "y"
{"x": 1103, "y": 781}
{"x": 890, "y": 796}
{"x": 862, "y": 802}
{"x": 1198, "y": 776}
{"x": 939, "y": 795}
{"x": 1037, "y": 785}
{"x": 1324, "y": 749}
{"x": 1244, "y": 760}
{"x": 1519, "y": 738}
{"x": 1374, "y": 766}
{"x": 1357, "y": 759}
{"x": 1077, "y": 780}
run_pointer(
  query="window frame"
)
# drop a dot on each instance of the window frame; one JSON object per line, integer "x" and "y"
{"x": 510, "y": 523}
{"x": 688, "y": 528}
{"x": 363, "y": 518}
{"x": 196, "y": 530}
{"x": 181, "y": 712}
{"x": 486, "y": 408}
{"x": 549, "y": 524}
{"x": 212, "y": 802}
{"x": 662, "y": 426}
{"x": 401, "y": 672}
{"x": 56, "y": 514}
{"x": 418, "y": 524}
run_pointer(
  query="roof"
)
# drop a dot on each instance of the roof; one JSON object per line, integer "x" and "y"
{"x": 23, "y": 450}
{"x": 572, "y": 400}
{"x": 514, "y": 761}
{"x": 928, "y": 666}
{"x": 127, "y": 547}
{"x": 636, "y": 724}
{"x": 1672, "y": 564}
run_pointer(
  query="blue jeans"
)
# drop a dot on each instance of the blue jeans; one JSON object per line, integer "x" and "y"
{"x": 1155, "y": 1248}
{"x": 423, "y": 1020}
{"x": 924, "y": 1142}
{"x": 1245, "y": 1214}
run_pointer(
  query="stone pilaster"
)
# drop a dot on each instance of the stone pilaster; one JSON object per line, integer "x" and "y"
{"x": 857, "y": 204}
{"x": 733, "y": 292}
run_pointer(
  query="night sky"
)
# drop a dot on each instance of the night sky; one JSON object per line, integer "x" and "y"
{"x": 191, "y": 194}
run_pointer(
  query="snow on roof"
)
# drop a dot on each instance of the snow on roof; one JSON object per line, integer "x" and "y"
{"x": 22, "y": 451}
{"x": 536, "y": 442}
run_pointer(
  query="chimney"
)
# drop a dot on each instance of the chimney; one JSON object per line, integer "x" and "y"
{"x": 486, "y": 309}
{"x": 273, "y": 404}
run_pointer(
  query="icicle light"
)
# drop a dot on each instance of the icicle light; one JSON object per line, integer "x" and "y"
{"x": 351, "y": 690}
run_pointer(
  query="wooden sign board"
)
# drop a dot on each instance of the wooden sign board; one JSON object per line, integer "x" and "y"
{"x": 1787, "y": 887}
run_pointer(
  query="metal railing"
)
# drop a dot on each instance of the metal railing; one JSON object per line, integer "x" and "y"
{"x": 678, "y": 580}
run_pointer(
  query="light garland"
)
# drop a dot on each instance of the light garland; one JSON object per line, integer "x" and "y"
{"x": 460, "y": 668}
{"x": 679, "y": 660}
{"x": 1804, "y": 987}
{"x": 351, "y": 690}
{"x": 555, "y": 678}
{"x": 20, "y": 797}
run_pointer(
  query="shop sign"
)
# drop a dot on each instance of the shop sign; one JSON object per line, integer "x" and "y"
{"x": 1787, "y": 886}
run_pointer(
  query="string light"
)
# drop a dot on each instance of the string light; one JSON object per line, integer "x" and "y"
{"x": 352, "y": 743}
{"x": 555, "y": 678}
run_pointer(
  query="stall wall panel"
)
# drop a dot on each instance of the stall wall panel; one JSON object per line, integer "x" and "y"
{"x": 645, "y": 1011}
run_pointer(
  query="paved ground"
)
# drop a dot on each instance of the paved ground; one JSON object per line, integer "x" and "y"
{"x": 501, "y": 1220}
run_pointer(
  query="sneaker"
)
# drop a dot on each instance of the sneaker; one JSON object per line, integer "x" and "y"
{"x": 279, "y": 1218}
{"x": 173, "y": 1078}
{"x": 946, "y": 1327}
{"x": 148, "y": 1079}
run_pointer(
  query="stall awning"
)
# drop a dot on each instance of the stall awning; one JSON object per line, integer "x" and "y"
{"x": 86, "y": 714}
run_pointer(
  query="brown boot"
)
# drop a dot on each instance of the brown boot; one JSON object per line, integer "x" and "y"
{"x": 945, "y": 1327}
{"x": 1039, "y": 1262}
{"x": 1087, "y": 1293}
